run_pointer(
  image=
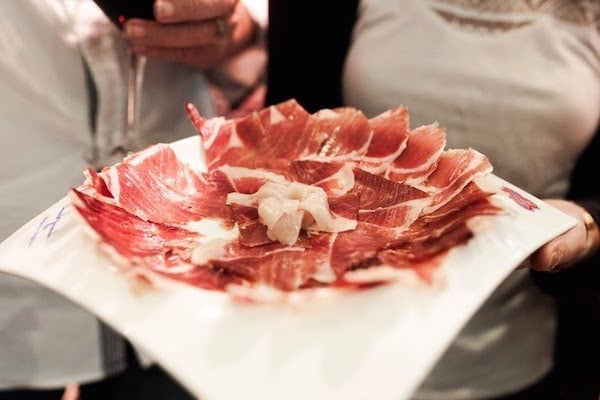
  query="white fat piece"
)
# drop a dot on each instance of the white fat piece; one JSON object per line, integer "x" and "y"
{"x": 211, "y": 250}
{"x": 287, "y": 208}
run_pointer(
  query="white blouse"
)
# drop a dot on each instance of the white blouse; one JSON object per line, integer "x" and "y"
{"x": 517, "y": 80}
{"x": 520, "y": 86}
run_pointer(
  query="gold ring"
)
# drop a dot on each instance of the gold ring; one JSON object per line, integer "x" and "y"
{"x": 220, "y": 28}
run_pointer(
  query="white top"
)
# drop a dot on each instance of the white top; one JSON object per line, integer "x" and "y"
{"x": 518, "y": 81}
{"x": 46, "y": 341}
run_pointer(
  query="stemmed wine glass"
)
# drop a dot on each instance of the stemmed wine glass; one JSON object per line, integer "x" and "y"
{"x": 119, "y": 11}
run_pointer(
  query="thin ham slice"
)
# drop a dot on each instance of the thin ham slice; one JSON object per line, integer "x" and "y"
{"x": 155, "y": 185}
{"x": 346, "y": 131}
{"x": 390, "y": 135}
{"x": 455, "y": 169}
{"x": 132, "y": 239}
{"x": 424, "y": 146}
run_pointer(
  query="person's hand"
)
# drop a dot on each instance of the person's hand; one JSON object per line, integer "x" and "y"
{"x": 572, "y": 246}
{"x": 201, "y": 33}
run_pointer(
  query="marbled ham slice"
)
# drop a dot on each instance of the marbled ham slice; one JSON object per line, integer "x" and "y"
{"x": 387, "y": 203}
{"x": 454, "y": 170}
{"x": 156, "y": 186}
{"x": 346, "y": 132}
{"x": 335, "y": 178}
{"x": 261, "y": 139}
{"x": 391, "y": 197}
{"x": 421, "y": 247}
{"x": 282, "y": 267}
{"x": 134, "y": 240}
{"x": 390, "y": 135}
{"x": 281, "y": 119}
{"x": 424, "y": 146}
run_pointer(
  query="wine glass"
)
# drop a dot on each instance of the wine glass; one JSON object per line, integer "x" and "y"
{"x": 119, "y": 11}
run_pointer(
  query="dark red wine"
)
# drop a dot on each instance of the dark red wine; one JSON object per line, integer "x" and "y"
{"x": 120, "y": 11}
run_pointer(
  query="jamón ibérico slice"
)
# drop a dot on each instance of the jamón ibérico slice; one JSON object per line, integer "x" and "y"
{"x": 162, "y": 162}
{"x": 424, "y": 245}
{"x": 132, "y": 239}
{"x": 387, "y": 203}
{"x": 423, "y": 148}
{"x": 421, "y": 247}
{"x": 259, "y": 139}
{"x": 156, "y": 186}
{"x": 335, "y": 178}
{"x": 281, "y": 119}
{"x": 461, "y": 209}
{"x": 454, "y": 170}
{"x": 280, "y": 266}
{"x": 252, "y": 232}
{"x": 390, "y": 135}
{"x": 96, "y": 185}
{"x": 377, "y": 192}
{"x": 358, "y": 248}
{"x": 346, "y": 131}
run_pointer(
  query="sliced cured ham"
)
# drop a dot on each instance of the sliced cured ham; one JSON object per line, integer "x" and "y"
{"x": 390, "y": 135}
{"x": 388, "y": 203}
{"x": 298, "y": 200}
{"x": 156, "y": 186}
{"x": 424, "y": 146}
{"x": 454, "y": 170}
{"x": 134, "y": 240}
{"x": 346, "y": 133}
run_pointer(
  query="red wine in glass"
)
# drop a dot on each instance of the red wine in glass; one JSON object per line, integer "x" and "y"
{"x": 119, "y": 11}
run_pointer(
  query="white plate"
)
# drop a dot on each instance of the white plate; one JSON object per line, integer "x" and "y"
{"x": 370, "y": 344}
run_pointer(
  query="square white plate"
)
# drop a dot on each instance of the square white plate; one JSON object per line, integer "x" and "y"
{"x": 377, "y": 343}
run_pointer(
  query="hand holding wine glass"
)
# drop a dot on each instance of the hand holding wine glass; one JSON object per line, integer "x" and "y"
{"x": 200, "y": 33}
